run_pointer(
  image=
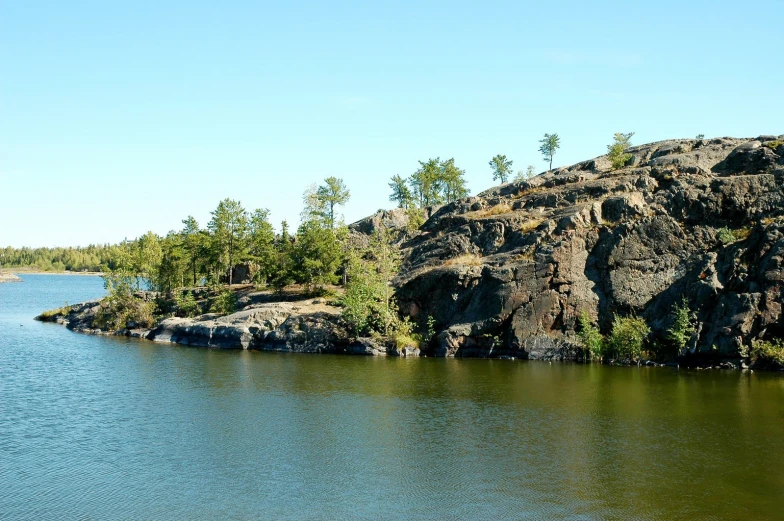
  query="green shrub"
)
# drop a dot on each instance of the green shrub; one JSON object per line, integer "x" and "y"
{"x": 765, "y": 351}
{"x": 186, "y": 304}
{"x": 682, "y": 328}
{"x": 627, "y": 338}
{"x": 727, "y": 236}
{"x": 416, "y": 218}
{"x": 123, "y": 307}
{"x": 616, "y": 152}
{"x": 590, "y": 337}
{"x": 224, "y": 302}
{"x": 430, "y": 333}
{"x": 773, "y": 145}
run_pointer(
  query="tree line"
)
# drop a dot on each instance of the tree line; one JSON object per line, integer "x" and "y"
{"x": 95, "y": 257}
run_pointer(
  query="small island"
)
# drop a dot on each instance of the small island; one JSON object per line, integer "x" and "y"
{"x": 670, "y": 252}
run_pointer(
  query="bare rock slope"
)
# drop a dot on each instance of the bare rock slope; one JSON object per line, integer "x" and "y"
{"x": 508, "y": 272}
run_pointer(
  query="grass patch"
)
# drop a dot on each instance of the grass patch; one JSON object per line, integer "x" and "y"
{"x": 407, "y": 340}
{"x": 54, "y": 313}
{"x": 498, "y": 209}
{"x": 529, "y": 191}
{"x": 530, "y": 225}
{"x": 773, "y": 145}
{"x": 469, "y": 259}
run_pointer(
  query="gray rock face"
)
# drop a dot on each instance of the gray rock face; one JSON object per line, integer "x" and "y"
{"x": 308, "y": 326}
{"x": 515, "y": 266}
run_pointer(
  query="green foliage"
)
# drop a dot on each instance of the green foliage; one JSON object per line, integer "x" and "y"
{"x": 767, "y": 351}
{"x": 261, "y": 244}
{"x": 416, "y": 218}
{"x": 727, "y": 236}
{"x": 224, "y": 302}
{"x": 550, "y": 143}
{"x": 502, "y": 168}
{"x": 89, "y": 258}
{"x": 368, "y": 304}
{"x": 590, "y": 337}
{"x": 186, "y": 304}
{"x": 193, "y": 243}
{"x": 430, "y": 332}
{"x": 52, "y": 313}
{"x": 616, "y": 152}
{"x": 282, "y": 273}
{"x": 682, "y": 329}
{"x": 529, "y": 173}
{"x": 317, "y": 254}
{"x": 404, "y": 335}
{"x": 229, "y": 229}
{"x": 453, "y": 185}
{"x": 122, "y": 308}
{"x": 435, "y": 182}
{"x": 332, "y": 193}
{"x": 627, "y": 338}
{"x": 172, "y": 270}
{"x": 401, "y": 193}
{"x": 700, "y": 136}
{"x": 774, "y": 145}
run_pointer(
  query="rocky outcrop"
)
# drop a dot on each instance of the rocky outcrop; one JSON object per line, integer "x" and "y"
{"x": 9, "y": 277}
{"x": 509, "y": 271}
{"x": 305, "y": 326}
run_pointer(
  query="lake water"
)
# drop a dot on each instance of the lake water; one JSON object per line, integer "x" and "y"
{"x": 99, "y": 428}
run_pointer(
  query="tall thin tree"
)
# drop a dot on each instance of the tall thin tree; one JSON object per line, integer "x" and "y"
{"x": 550, "y": 143}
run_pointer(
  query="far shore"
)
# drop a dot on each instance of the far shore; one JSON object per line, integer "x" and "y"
{"x": 33, "y": 271}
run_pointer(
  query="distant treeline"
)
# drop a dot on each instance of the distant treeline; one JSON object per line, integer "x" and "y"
{"x": 95, "y": 257}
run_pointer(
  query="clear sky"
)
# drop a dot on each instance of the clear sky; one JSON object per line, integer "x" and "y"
{"x": 122, "y": 117}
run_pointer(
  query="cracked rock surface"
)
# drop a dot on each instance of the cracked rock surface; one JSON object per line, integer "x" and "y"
{"x": 508, "y": 272}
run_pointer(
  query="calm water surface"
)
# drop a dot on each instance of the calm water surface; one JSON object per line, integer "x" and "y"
{"x": 105, "y": 428}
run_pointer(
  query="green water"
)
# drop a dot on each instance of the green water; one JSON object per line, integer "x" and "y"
{"x": 105, "y": 428}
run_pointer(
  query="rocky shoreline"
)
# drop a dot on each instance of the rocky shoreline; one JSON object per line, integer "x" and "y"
{"x": 312, "y": 326}
{"x": 509, "y": 273}
{"x": 9, "y": 277}
{"x": 305, "y": 326}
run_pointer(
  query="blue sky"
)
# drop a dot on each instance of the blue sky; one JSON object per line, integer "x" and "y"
{"x": 122, "y": 117}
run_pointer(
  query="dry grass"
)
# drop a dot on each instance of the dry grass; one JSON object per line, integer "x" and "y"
{"x": 530, "y": 225}
{"x": 529, "y": 191}
{"x": 468, "y": 259}
{"x": 498, "y": 209}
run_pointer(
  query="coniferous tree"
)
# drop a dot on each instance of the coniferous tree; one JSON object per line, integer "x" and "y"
{"x": 401, "y": 193}
{"x": 502, "y": 168}
{"x": 550, "y": 143}
{"x": 192, "y": 243}
{"x": 616, "y": 152}
{"x": 452, "y": 181}
{"x": 331, "y": 194}
{"x": 262, "y": 243}
{"x": 229, "y": 228}
{"x": 427, "y": 182}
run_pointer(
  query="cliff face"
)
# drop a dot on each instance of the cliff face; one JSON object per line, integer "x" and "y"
{"x": 516, "y": 265}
